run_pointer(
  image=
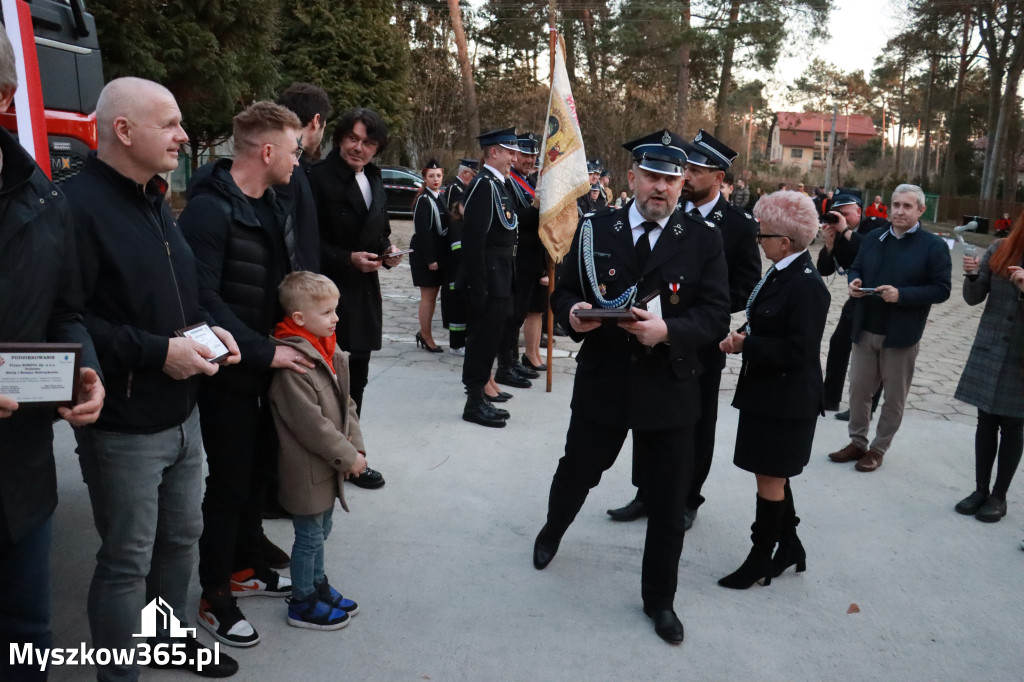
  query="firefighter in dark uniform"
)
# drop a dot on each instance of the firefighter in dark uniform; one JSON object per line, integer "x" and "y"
{"x": 463, "y": 176}
{"x": 844, "y": 226}
{"x": 530, "y": 266}
{"x": 531, "y": 258}
{"x": 591, "y": 202}
{"x": 707, "y": 161}
{"x": 487, "y": 273}
{"x": 639, "y": 375}
{"x": 453, "y": 304}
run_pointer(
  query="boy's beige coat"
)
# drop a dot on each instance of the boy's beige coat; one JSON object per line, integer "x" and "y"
{"x": 318, "y": 431}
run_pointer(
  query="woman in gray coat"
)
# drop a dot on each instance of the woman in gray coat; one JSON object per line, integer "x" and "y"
{"x": 993, "y": 379}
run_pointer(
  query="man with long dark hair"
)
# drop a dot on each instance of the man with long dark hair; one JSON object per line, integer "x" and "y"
{"x": 355, "y": 233}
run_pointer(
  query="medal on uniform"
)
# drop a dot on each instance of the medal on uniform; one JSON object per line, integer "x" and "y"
{"x": 603, "y": 289}
{"x": 508, "y": 214}
{"x": 674, "y": 288}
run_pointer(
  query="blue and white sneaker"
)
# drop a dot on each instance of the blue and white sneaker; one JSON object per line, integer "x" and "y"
{"x": 331, "y": 596}
{"x": 313, "y": 614}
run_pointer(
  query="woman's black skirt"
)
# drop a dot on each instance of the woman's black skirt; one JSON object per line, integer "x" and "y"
{"x": 771, "y": 446}
{"x": 422, "y": 276}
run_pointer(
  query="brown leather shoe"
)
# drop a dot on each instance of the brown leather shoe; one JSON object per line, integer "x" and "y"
{"x": 850, "y": 453}
{"x": 869, "y": 462}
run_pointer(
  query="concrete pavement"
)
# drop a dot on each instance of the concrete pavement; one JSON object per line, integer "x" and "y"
{"x": 440, "y": 558}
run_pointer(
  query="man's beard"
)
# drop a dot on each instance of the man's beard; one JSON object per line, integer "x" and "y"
{"x": 652, "y": 213}
{"x": 690, "y": 194}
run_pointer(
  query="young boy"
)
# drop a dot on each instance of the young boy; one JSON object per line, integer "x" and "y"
{"x": 321, "y": 444}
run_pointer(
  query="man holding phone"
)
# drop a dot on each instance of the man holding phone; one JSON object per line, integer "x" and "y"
{"x": 906, "y": 270}
{"x": 843, "y": 228}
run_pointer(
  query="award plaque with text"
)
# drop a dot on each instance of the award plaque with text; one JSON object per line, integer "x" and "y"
{"x": 40, "y": 374}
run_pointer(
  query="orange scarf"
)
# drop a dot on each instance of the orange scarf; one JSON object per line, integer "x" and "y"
{"x": 324, "y": 345}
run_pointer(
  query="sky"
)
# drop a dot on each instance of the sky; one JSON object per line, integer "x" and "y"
{"x": 858, "y": 30}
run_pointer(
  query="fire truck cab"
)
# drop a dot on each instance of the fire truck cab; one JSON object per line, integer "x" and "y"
{"x": 71, "y": 74}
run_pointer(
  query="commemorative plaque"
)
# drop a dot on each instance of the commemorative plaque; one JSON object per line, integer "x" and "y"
{"x": 40, "y": 374}
{"x": 201, "y": 333}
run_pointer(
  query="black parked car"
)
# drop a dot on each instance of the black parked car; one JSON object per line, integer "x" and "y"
{"x": 401, "y": 185}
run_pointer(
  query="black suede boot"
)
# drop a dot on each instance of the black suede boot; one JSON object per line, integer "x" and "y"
{"x": 791, "y": 551}
{"x": 764, "y": 533}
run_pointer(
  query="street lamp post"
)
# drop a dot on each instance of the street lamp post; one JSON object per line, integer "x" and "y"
{"x": 831, "y": 146}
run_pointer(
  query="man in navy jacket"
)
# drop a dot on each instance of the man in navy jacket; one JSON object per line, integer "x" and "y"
{"x": 899, "y": 272}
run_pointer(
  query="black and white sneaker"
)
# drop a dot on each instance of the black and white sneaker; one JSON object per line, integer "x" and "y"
{"x": 250, "y": 583}
{"x": 224, "y": 620}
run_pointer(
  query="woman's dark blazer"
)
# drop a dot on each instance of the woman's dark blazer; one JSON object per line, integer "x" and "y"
{"x": 781, "y": 373}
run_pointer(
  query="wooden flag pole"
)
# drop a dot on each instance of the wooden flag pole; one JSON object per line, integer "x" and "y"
{"x": 553, "y": 45}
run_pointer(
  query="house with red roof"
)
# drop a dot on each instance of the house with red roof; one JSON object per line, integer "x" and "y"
{"x": 801, "y": 138}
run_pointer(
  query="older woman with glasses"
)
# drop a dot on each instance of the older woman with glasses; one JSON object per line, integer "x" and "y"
{"x": 779, "y": 394}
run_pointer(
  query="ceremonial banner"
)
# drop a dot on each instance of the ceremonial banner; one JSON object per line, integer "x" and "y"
{"x": 563, "y": 175}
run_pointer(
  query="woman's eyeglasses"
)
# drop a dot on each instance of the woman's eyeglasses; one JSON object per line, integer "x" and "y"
{"x": 759, "y": 236}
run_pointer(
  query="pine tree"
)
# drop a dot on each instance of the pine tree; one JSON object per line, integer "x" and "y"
{"x": 215, "y": 56}
{"x": 352, "y": 50}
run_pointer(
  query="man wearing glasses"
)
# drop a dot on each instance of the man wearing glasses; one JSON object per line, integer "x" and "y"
{"x": 355, "y": 233}
{"x": 243, "y": 234}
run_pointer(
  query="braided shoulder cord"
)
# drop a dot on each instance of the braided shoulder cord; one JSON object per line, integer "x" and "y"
{"x": 587, "y": 265}
{"x": 441, "y": 229}
{"x": 501, "y": 212}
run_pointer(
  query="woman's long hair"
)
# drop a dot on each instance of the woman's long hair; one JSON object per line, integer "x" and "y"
{"x": 1010, "y": 251}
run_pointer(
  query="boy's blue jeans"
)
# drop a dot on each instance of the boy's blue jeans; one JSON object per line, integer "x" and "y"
{"x": 308, "y": 551}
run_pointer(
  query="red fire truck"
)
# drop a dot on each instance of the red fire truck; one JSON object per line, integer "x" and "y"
{"x": 71, "y": 74}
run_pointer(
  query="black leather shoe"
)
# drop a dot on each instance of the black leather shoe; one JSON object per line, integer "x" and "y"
{"x": 369, "y": 479}
{"x": 972, "y": 503}
{"x": 544, "y": 549}
{"x": 631, "y": 512}
{"x": 478, "y": 413}
{"x": 496, "y": 411}
{"x": 991, "y": 510}
{"x": 689, "y": 516}
{"x": 666, "y": 624}
{"x": 524, "y": 371}
{"x": 525, "y": 361}
{"x": 225, "y": 666}
{"x": 509, "y": 377}
{"x": 502, "y": 397}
